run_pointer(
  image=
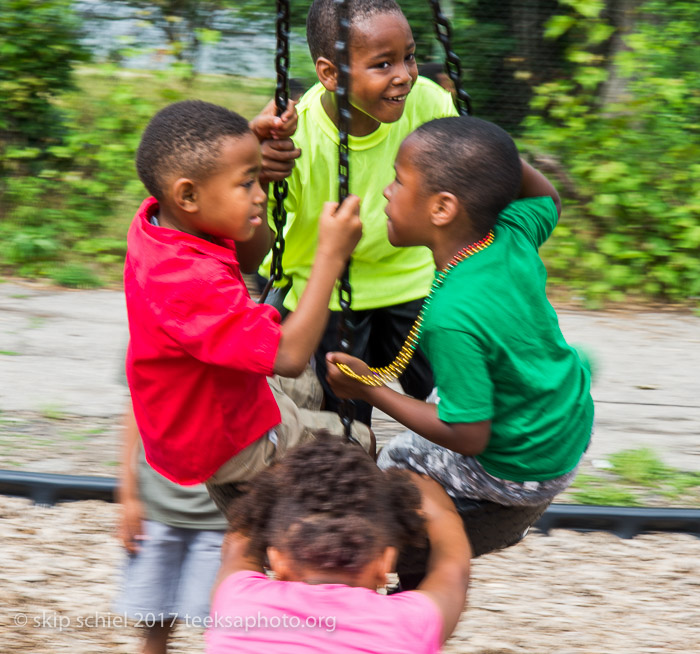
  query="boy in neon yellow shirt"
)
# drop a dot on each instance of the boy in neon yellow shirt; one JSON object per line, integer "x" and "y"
{"x": 388, "y": 101}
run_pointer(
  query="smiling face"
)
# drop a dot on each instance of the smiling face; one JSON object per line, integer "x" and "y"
{"x": 382, "y": 70}
{"x": 408, "y": 206}
{"x": 229, "y": 203}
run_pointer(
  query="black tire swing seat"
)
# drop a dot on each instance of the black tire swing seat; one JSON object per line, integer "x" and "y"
{"x": 490, "y": 527}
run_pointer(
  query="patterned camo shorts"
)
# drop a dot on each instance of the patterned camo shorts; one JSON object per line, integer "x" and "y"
{"x": 464, "y": 476}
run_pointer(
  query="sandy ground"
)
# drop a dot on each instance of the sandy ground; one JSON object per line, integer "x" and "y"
{"x": 569, "y": 592}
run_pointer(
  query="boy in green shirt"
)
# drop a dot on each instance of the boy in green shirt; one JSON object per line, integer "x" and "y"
{"x": 514, "y": 413}
{"x": 388, "y": 101}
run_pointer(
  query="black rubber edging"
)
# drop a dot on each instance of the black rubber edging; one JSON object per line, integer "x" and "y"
{"x": 625, "y": 522}
{"x": 47, "y": 488}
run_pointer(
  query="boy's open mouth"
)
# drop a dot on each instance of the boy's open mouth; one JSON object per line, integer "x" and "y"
{"x": 397, "y": 98}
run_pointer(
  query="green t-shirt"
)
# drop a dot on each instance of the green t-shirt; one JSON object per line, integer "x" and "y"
{"x": 380, "y": 274}
{"x": 494, "y": 342}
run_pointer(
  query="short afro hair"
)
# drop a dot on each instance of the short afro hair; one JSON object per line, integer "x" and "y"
{"x": 474, "y": 160}
{"x": 322, "y": 22}
{"x": 184, "y": 139}
{"x": 329, "y": 507}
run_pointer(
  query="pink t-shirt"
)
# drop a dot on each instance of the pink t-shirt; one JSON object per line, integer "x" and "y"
{"x": 251, "y": 614}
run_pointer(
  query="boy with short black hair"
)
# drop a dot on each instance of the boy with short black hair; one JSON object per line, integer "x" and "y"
{"x": 388, "y": 101}
{"x": 201, "y": 350}
{"x": 515, "y": 413}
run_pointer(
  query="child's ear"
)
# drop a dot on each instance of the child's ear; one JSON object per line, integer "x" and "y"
{"x": 280, "y": 565}
{"x": 327, "y": 74}
{"x": 389, "y": 558}
{"x": 184, "y": 195}
{"x": 443, "y": 209}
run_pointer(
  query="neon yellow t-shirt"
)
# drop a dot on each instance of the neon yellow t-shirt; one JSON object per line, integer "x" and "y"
{"x": 380, "y": 274}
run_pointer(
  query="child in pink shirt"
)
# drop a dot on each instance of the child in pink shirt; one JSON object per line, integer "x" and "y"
{"x": 331, "y": 524}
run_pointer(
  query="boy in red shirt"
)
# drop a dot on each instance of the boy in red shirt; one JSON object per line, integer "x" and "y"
{"x": 202, "y": 353}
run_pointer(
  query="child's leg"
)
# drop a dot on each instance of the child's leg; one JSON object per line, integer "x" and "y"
{"x": 390, "y": 327}
{"x": 297, "y": 400}
{"x": 199, "y": 569}
{"x": 464, "y": 476}
{"x": 156, "y": 639}
{"x": 151, "y": 579}
{"x": 301, "y": 419}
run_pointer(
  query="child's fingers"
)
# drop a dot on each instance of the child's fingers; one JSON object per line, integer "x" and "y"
{"x": 289, "y": 115}
{"x": 329, "y": 208}
{"x": 287, "y": 124}
{"x": 350, "y": 207}
{"x": 338, "y": 357}
{"x": 290, "y": 111}
{"x": 278, "y": 159}
{"x": 355, "y": 364}
{"x": 267, "y": 124}
{"x": 283, "y": 150}
{"x": 263, "y": 125}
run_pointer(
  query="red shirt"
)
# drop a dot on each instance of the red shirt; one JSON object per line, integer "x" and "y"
{"x": 200, "y": 350}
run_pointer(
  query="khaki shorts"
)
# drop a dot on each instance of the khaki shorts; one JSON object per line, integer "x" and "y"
{"x": 299, "y": 401}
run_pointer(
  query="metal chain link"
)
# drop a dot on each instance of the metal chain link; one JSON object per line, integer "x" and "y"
{"x": 452, "y": 65}
{"x": 279, "y": 189}
{"x": 346, "y": 410}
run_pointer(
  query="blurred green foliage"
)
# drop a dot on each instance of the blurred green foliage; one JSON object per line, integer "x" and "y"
{"x": 625, "y": 128}
{"x": 38, "y": 49}
{"x": 74, "y": 210}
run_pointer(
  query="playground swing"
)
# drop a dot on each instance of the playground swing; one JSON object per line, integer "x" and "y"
{"x": 490, "y": 526}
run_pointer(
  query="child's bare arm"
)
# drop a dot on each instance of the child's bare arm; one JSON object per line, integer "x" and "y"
{"x": 535, "y": 185}
{"x": 235, "y": 556}
{"x": 467, "y": 438}
{"x": 447, "y": 577}
{"x": 339, "y": 232}
{"x": 130, "y": 526}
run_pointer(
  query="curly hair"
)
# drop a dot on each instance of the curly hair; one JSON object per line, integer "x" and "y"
{"x": 329, "y": 507}
{"x": 473, "y": 159}
{"x": 184, "y": 139}
{"x": 322, "y": 22}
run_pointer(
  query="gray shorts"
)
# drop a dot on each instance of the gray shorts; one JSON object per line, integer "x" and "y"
{"x": 171, "y": 576}
{"x": 464, "y": 476}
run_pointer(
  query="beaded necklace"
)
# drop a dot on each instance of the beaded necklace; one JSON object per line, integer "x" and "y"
{"x": 395, "y": 369}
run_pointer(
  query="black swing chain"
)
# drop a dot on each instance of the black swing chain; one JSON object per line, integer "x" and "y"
{"x": 452, "y": 65}
{"x": 279, "y": 188}
{"x": 346, "y": 410}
